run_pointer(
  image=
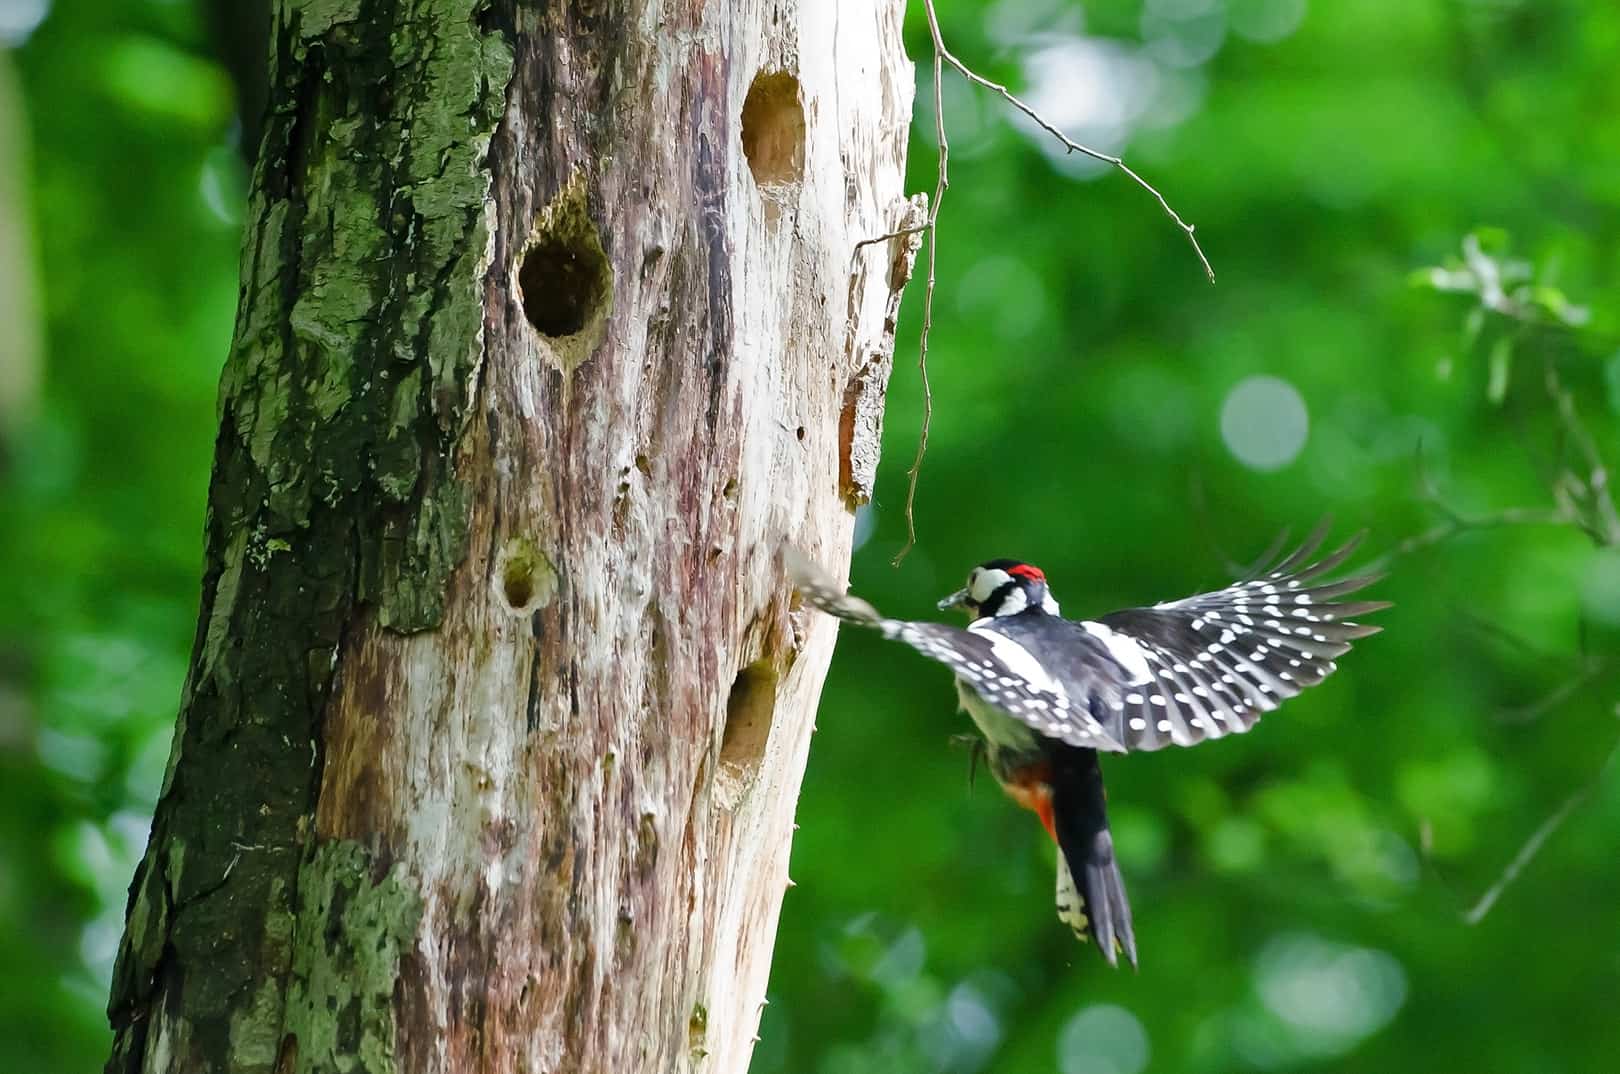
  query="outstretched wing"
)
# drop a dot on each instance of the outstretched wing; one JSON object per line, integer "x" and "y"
{"x": 999, "y": 669}
{"x": 1209, "y": 665}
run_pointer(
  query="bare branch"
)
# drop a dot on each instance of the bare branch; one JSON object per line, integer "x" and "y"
{"x": 1457, "y": 524}
{"x": 1578, "y": 671}
{"x": 1495, "y": 631}
{"x": 904, "y": 232}
{"x": 930, "y": 228}
{"x": 1538, "y": 838}
{"x": 1070, "y": 144}
{"x": 1605, "y": 528}
{"x": 1592, "y": 668}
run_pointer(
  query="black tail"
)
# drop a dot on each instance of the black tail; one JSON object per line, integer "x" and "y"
{"x": 1080, "y": 815}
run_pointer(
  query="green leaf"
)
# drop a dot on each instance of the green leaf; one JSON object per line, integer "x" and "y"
{"x": 1473, "y": 324}
{"x": 1501, "y": 370}
{"x": 1558, "y": 305}
{"x": 1448, "y": 279}
{"x": 1611, "y": 380}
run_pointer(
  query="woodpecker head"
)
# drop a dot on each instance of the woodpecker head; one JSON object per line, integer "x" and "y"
{"x": 1003, "y": 587}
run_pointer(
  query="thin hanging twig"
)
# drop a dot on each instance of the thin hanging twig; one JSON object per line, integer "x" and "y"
{"x": 1605, "y": 525}
{"x": 930, "y": 228}
{"x": 1538, "y": 839}
{"x": 941, "y": 185}
{"x": 1075, "y": 147}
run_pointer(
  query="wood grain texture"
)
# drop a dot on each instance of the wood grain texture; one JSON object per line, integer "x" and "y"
{"x": 500, "y": 706}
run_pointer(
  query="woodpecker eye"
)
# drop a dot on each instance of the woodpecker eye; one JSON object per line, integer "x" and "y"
{"x": 983, "y": 582}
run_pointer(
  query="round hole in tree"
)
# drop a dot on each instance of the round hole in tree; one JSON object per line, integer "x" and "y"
{"x": 749, "y": 710}
{"x": 518, "y": 583}
{"x": 564, "y": 280}
{"x": 773, "y": 129}
{"x": 524, "y": 578}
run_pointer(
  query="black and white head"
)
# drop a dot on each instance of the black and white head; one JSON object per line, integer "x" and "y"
{"x": 1003, "y": 587}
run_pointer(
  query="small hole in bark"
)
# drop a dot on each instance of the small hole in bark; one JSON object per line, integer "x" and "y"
{"x": 800, "y": 433}
{"x": 564, "y": 279}
{"x": 697, "y": 1030}
{"x": 563, "y": 285}
{"x": 519, "y": 586}
{"x": 524, "y": 579}
{"x": 749, "y": 711}
{"x": 773, "y": 129}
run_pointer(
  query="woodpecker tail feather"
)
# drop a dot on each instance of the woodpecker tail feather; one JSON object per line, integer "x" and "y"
{"x": 1099, "y": 908}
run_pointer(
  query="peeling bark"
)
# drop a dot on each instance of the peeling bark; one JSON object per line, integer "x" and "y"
{"x": 498, "y": 709}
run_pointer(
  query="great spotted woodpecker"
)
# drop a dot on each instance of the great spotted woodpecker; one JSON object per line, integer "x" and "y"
{"x": 1048, "y": 693}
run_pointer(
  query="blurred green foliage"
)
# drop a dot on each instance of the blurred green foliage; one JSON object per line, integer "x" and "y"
{"x": 1300, "y": 892}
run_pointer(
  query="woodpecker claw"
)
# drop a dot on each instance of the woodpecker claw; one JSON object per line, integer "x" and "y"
{"x": 976, "y": 752}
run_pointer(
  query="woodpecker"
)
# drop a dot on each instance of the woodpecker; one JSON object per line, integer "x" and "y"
{"x": 1050, "y": 694}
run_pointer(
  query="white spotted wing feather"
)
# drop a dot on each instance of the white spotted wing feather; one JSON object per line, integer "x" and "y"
{"x": 1218, "y": 660}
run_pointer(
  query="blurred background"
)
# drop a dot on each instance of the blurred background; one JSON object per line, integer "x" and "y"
{"x": 1411, "y": 209}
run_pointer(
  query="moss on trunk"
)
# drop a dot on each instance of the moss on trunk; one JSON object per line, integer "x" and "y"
{"x": 357, "y": 347}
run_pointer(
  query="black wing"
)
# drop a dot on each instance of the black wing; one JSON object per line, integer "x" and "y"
{"x": 979, "y": 659}
{"x": 1209, "y": 665}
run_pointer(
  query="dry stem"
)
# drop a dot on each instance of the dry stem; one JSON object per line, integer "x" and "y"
{"x": 942, "y": 57}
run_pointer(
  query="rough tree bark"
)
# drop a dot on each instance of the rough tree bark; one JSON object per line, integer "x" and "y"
{"x": 552, "y": 326}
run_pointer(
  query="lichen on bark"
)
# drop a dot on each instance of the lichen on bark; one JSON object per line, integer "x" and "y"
{"x": 357, "y": 347}
{"x": 364, "y": 286}
{"x": 352, "y": 932}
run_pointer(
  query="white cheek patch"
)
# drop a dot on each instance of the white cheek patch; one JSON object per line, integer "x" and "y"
{"x": 1014, "y": 602}
{"x": 984, "y": 583}
{"x": 1121, "y": 648}
{"x": 1017, "y": 659}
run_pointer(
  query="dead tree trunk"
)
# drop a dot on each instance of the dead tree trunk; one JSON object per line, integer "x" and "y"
{"x": 552, "y": 326}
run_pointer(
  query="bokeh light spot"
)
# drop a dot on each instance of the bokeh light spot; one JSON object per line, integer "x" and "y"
{"x": 1265, "y": 21}
{"x": 1184, "y": 40}
{"x": 1332, "y": 995}
{"x": 1003, "y": 292}
{"x": 18, "y": 18}
{"x": 1236, "y": 845}
{"x": 1264, "y": 422}
{"x": 1103, "y": 1039}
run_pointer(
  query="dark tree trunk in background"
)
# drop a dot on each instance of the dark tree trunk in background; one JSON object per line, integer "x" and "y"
{"x": 239, "y": 29}
{"x": 552, "y": 327}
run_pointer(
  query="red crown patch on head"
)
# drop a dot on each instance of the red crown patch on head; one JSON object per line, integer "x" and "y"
{"x": 1024, "y": 570}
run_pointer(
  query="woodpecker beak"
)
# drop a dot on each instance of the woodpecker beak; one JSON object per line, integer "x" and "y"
{"x": 955, "y": 600}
